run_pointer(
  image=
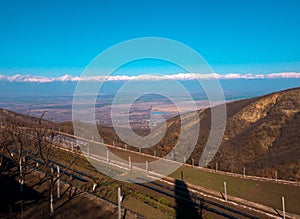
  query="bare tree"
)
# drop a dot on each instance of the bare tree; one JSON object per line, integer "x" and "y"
{"x": 12, "y": 143}
{"x": 46, "y": 151}
{"x": 32, "y": 138}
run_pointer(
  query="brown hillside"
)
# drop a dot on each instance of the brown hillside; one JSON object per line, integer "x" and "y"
{"x": 261, "y": 134}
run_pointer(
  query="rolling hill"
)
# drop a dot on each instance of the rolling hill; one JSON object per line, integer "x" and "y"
{"x": 262, "y": 134}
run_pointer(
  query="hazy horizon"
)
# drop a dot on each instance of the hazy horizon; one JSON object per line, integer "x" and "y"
{"x": 56, "y": 97}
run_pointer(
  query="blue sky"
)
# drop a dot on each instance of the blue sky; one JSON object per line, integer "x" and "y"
{"x": 53, "y": 38}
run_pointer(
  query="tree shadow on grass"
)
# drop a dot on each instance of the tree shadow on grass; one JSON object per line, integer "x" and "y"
{"x": 11, "y": 196}
{"x": 185, "y": 207}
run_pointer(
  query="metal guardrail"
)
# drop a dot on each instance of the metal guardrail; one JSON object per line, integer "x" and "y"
{"x": 189, "y": 165}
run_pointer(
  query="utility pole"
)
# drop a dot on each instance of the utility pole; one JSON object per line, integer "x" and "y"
{"x": 225, "y": 191}
{"x": 20, "y": 167}
{"x": 147, "y": 168}
{"x": 283, "y": 207}
{"x": 107, "y": 156}
{"x": 129, "y": 163}
{"x": 244, "y": 171}
{"x": 119, "y": 203}
{"x": 58, "y": 182}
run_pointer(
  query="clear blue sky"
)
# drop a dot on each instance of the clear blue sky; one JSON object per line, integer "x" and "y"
{"x": 54, "y": 37}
